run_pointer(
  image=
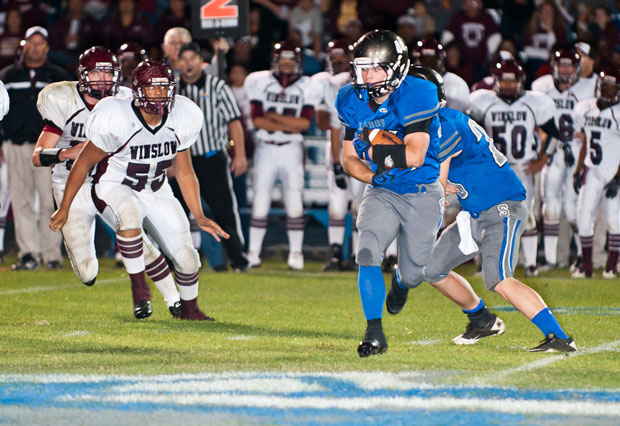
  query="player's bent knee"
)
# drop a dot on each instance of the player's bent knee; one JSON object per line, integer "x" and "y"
{"x": 368, "y": 253}
{"x": 130, "y": 216}
{"x": 86, "y": 269}
{"x": 412, "y": 278}
{"x": 186, "y": 260}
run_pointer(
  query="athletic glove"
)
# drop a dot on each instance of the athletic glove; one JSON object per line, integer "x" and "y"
{"x": 361, "y": 142}
{"x": 577, "y": 180}
{"x": 569, "y": 158}
{"x": 340, "y": 175}
{"x": 612, "y": 187}
{"x": 383, "y": 177}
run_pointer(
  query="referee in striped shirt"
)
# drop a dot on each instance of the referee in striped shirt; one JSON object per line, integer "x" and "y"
{"x": 210, "y": 158}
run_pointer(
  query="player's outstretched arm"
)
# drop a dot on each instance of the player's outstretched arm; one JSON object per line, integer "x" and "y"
{"x": 188, "y": 182}
{"x": 89, "y": 156}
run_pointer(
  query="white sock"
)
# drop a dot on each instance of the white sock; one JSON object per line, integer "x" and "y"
{"x": 551, "y": 249}
{"x": 132, "y": 252}
{"x": 335, "y": 234}
{"x": 256, "y": 239}
{"x": 530, "y": 247}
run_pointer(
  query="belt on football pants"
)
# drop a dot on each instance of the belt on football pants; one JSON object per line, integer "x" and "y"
{"x": 277, "y": 143}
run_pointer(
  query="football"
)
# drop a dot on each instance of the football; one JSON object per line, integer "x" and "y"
{"x": 383, "y": 137}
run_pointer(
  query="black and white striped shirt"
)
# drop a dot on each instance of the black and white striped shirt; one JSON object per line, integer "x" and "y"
{"x": 219, "y": 107}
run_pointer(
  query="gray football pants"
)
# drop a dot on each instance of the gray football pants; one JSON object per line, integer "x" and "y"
{"x": 413, "y": 217}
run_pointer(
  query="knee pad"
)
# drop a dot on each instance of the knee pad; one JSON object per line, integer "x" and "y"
{"x": 186, "y": 260}
{"x": 130, "y": 215}
{"x": 551, "y": 210}
{"x": 368, "y": 253}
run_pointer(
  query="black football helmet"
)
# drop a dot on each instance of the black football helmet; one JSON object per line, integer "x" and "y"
{"x": 565, "y": 65}
{"x": 428, "y": 73}
{"x": 379, "y": 49}
{"x": 98, "y": 58}
{"x": 430, "y": 53}
{"x": 608, "y": 87}
{"x": 511, "y": 74}
{"x": 286, "y": 50}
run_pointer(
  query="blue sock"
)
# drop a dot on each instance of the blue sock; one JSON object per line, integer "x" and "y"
{"x": 372, "y": 291}
{"x": 548, "y": 324}
{"x": 397, "y": 272}
{"x": 476, "y": 309}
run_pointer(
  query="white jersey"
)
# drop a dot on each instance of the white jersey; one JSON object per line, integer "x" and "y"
{"x": 138, "y": 155}
{"x": 62, "y": 106}
{"x": 565, "y": 103}
{"x": 602, "y": 131}
{"x": 512, "y": 125}
{"x": 457, "y": 92}
{"x": 264, "y": 89}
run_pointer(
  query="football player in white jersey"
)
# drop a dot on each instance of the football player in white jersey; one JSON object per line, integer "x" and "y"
{"x": 430, "y": 53}
{"x": 133, "y": 140}
{"x": 282, "y": 103}
{"x": 5, "y": 198}
{"x": 566, "y": 89}
{"x": 598, "y": 120}
{"x": 342, "y": 189}
{"x": 511, "y": 115}
{"x": 65, "y": 106}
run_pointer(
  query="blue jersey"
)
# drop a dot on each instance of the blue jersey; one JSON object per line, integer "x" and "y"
{"x": 413, "y": 101}
{"x": 479, "y": 170}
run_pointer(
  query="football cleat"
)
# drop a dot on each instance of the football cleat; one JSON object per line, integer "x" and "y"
{"x": 472, "y": 334}
{"x": 53, "y": 265}
{"x": 397, "y": 296}
{"x": 91, "y": 282}
{"x": 191, "y": 311}
{"x": 576, "y": 265}
{"x": 374, "y": 343}
{"x": 610, "y": 275}
{"x": 175, "y": 309}
{"x": 547, "y": 267}
{"x": 143, "y": 309}
{"x": 26, "y": 263}
{"x": 551, "y": 343}
{"x": 580, "y": 273}
{"x": 254, "y": 258}
{"x": 296, "y": 261}
{"x": 531, "y": 271}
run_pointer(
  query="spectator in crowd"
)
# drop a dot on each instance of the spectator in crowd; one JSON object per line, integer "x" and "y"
{"x": 476, "y": 34}
{"x": 10, "y": 38}
{"x": 22, "y": 126}
{"x": 127, "y": 24}
{"x": 176, "y": 15}
{"x": 405, "y": 28}
{"x": 129, "y": 56}
{"x": 442, "y": 11}
{"x": 353, "y": 30}
{"x": 307, "y": 18}
{"x": 457, "y": 66}
{"x": 71, "y": 34}
{"x": 210, "y": 158}
{"x": 607, "y": 34}
{"x": 424, "y": 22}
{"x": 381, "y": 13}
{"x": 544, "y": 30}
{"x": 515, "y": 15}
{"x": 173, "y": 40}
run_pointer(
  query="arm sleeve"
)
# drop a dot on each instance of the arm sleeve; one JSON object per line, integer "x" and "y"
{"x": 419, "y": 126}
{"x": 191, "y": 119}
{"x": 425, "y": 107}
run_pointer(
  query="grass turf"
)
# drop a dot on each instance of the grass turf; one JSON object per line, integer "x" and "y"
{"x": 271, "y": 319}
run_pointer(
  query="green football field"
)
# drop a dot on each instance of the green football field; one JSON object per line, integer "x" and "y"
{"x": 278, "y": 321}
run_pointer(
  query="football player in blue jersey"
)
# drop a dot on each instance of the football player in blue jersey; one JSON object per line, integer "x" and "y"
{"x": 405, "y": 198}
{"x": 491, "y": 221}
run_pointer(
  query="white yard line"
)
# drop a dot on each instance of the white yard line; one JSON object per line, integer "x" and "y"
{"x": 498, "y": 376}
{"x": 504, "y": 405}
{"x": 54, "y": 287}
